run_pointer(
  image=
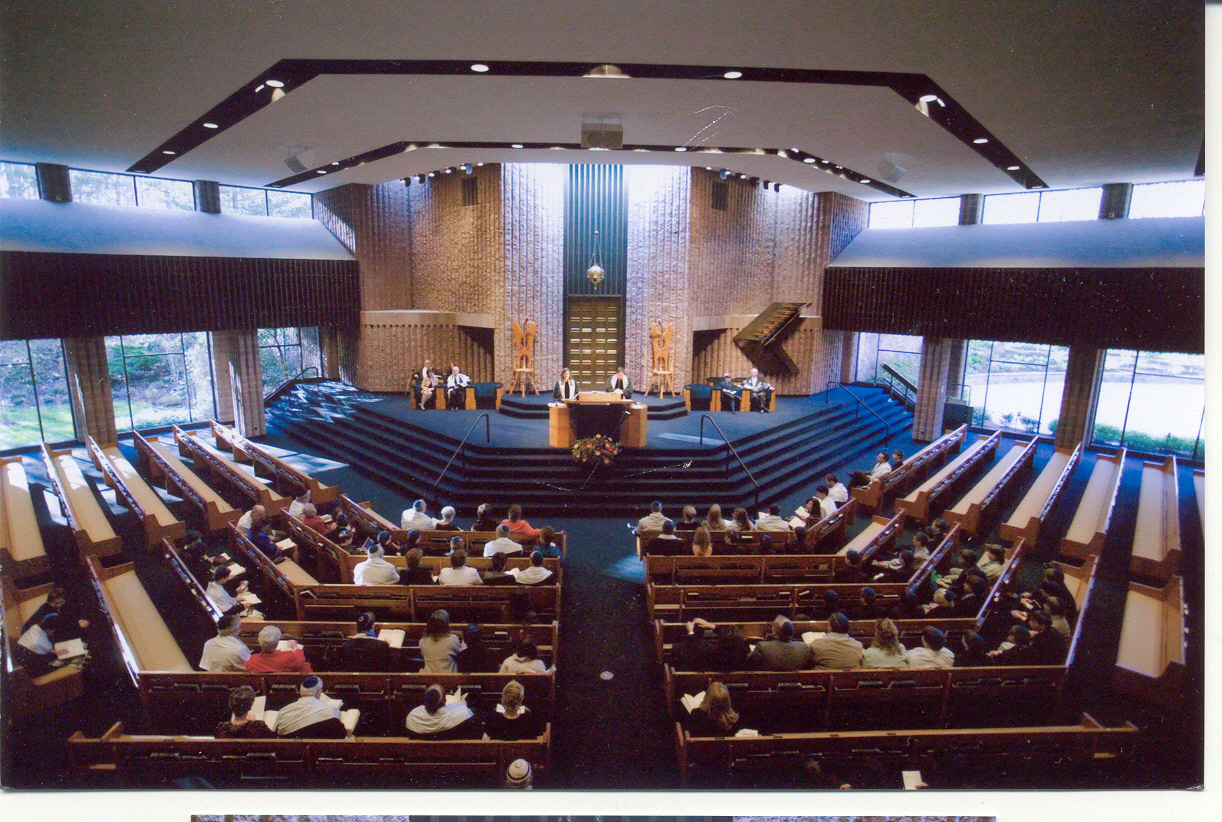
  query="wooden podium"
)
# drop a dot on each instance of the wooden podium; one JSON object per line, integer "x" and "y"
{"x": 633, "y": 431}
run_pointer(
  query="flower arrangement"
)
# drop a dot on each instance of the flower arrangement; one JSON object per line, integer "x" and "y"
{"x": 596, "y": 449}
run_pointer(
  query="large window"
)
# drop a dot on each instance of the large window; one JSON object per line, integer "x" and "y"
{"x": 899, "y": 351}
{"x": 285, "y": 353}
{"x": 938, "y": 211}
{"x": 1015, "y": 386}
{"x": 18, "y": 180}
{"x": 1185, "y": 199}
{"x": 258, "y": 202}
{"x": 34, "y": 402}
{"x": 1152, "y": 402}
{"x": 159, "y": 379}
{"x": 1042, "y": 206}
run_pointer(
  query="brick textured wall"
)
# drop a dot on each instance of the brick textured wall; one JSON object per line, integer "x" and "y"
{"x": 533, "y": 207}
{"x": 391, "y": 351}
{"x": 372, "y": 223}
{"x": 659, "y": 269}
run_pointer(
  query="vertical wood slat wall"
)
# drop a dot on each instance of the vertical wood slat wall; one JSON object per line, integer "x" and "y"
{"x": 390, "y": 352}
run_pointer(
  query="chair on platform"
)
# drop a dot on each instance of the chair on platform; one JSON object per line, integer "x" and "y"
{"x": 698, "y": 397}
{"x": 484, "y": 395}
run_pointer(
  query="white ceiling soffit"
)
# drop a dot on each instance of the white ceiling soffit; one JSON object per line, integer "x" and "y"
{"x": 1084, "y": 93}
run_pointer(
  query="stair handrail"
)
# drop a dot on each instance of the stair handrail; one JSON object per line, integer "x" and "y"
{"x": 895, "y": 376}
{"x": 730, "y": 450}
{"x": 860, "y": 405}
{"x": 487, "y": 441}
{"x": 275, "y": 393}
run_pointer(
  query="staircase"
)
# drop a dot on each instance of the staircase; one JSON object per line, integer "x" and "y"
{"x": 762, "y": 339}
{"x": 343, "y": 423}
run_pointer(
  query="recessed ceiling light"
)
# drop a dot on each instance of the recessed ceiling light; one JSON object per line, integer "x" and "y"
{"x": 169, "y": 152}
{"x": 809, "y": 160}
{"x": 1012, "y": 168}
{"x": 432, "y": 173}
{"x": 480, "y": 67}
{"x": 732, "y": 75}
{"x": 322, "y": 171}
{"x": 680, "y": 148}
{"x": 516, "y": 145}
{"x": 211, "y": 125}
{"x": 479, "y": 164}
{"x": 276, "y": 83}
{"x": 928, "y": 98}
{"x": 980, "y": 140}
{"x": 335, "y": 162}
{"x": 864, "y": 182}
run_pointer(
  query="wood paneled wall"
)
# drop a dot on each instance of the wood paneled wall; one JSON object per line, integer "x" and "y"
{"x": 393, "y": 344}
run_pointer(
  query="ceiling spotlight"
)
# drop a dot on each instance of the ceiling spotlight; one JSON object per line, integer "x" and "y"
{"x": 322, "y": 171}
{"x": 211, "y": 125}
{"x": 928, "y": 98}
{"x": 607, "y": 70}
{"x": 680, "y": 148}
{"x": 980, "y": 140}
{"x": 1012, "y": 168}
{"x": 167, "y": 151}
{"x": 479, "y": 67}
{"x": 742, "y": 176}
{"x": 809, "y": 160}
{"x": 479, "y": 164}
{"x": 335, "y": 162}
{"x": 432, "y": 173}
{"x": 863, "y": 181}
{"x": 516, "y": 145}
{"x": 732, "y": 75}
{"x": 276, "y": 83}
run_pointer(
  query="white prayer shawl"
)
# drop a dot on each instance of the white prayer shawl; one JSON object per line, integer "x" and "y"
{"x": 375, "y": 571}
{"x": 532, "y": 575}
{"x": 220, "y": 597}
{"x": 306, "y": 711}
{"x": 420, "y": 721}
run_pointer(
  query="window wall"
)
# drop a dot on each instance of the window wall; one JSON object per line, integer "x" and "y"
{"x": 1152, "y": 402}
{"x": 18, "y": 180}
{"x": 259, "y": 202}
{"x": 34, "y": 402}
{"x": 901, "y": 352}
{"x": 1015, "y": 386}
{"x": 160, "y": 379}
{"x": 284, "y": 353}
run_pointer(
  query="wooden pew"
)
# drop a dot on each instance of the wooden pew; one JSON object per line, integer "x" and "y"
{"x": 362, "y": 515}
{"x": 155, "y": 518}
{"x": 1088, "y": 530}
{"x": 91, "y": 529}
{"x": 817, "y": 692}
{"x": 913, "y": 469}
{"x": 1153, "y": 644}
{"x": 1156, "y": 538}
{"x": 414, "y": 603}
{"x": 1043, "y": 494}
{"x": 22, "y": 553}
{"x": 922, "y": 502}
{"x": 438, "y": 542}
{"x": 286, "y": 577}
{"x": 32, "y": 694}
{"x": 980, "y": 501}
{"x": 1198, "y": 486}
{"x": 215, "y": 513}
{"x": 678, "y": 603}
{"x": 317, "y": 637}
{"x": 233, "y": 475}
{"x": 879, "y": 536}
{"x": 288, "y": 480}
{"x": 193, "y": 590}
{"x": 1038, "y": 749}
{"x": 143, "y": 640}
{"x": 400, "y": 762}
{"x": 782, "y": 541}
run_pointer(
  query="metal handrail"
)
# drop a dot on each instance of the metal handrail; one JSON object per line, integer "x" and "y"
{"x": 860, "y": 405}
{"x": 487, "y": 441}
{"x": 730, "y": 450}
{"x": 275, "y": 392}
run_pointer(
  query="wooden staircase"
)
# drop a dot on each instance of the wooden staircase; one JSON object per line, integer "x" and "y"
{"x": 762, "y": 339}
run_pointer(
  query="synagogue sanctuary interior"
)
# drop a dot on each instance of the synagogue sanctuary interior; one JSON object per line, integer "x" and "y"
{"x": 289, "y": 298}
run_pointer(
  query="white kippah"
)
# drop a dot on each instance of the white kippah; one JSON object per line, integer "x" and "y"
{"x": 518, "y": 773}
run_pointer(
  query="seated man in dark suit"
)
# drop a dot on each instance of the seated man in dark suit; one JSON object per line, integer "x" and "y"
{"x": 363, "y": 652}
{"x": 780, "y": 651}
{"x": 730, "y": 393}
{"x": 666, "y": 544}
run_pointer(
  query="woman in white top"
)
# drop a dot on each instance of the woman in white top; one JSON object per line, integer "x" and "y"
{"x": 885, "y": 651}
{"x": 428, "y": 384}
{"x": 459, "y": 573}
{"x": 525, "y": 661}
{"x": 438, "y": 646}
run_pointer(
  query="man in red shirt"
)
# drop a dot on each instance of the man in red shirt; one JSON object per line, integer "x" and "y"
{"x": 270, "y": 661}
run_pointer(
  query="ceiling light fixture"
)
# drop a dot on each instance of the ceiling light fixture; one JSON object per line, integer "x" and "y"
{"x": 732, "y": 75}
{"x": 980, "y": 140}
{"x": 928, "y": 98}
{"x": 809, "y": 160}
{"x": 211, "y": 125}
{"x": 516, "y": 145}
{"x": 864, "y": 182}
{"x": 680, "y": 148}
{"x": 595, "y": 273}
{"x": 276, "y": 83}
{"x": 432, "y": 173}
{"x": 167, "y": 151}
{"x": 608, "y": 71}
{"x": 479, "y": 67}
{"x": 322, "y": 171}
{"x": 1012, "y": 168}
